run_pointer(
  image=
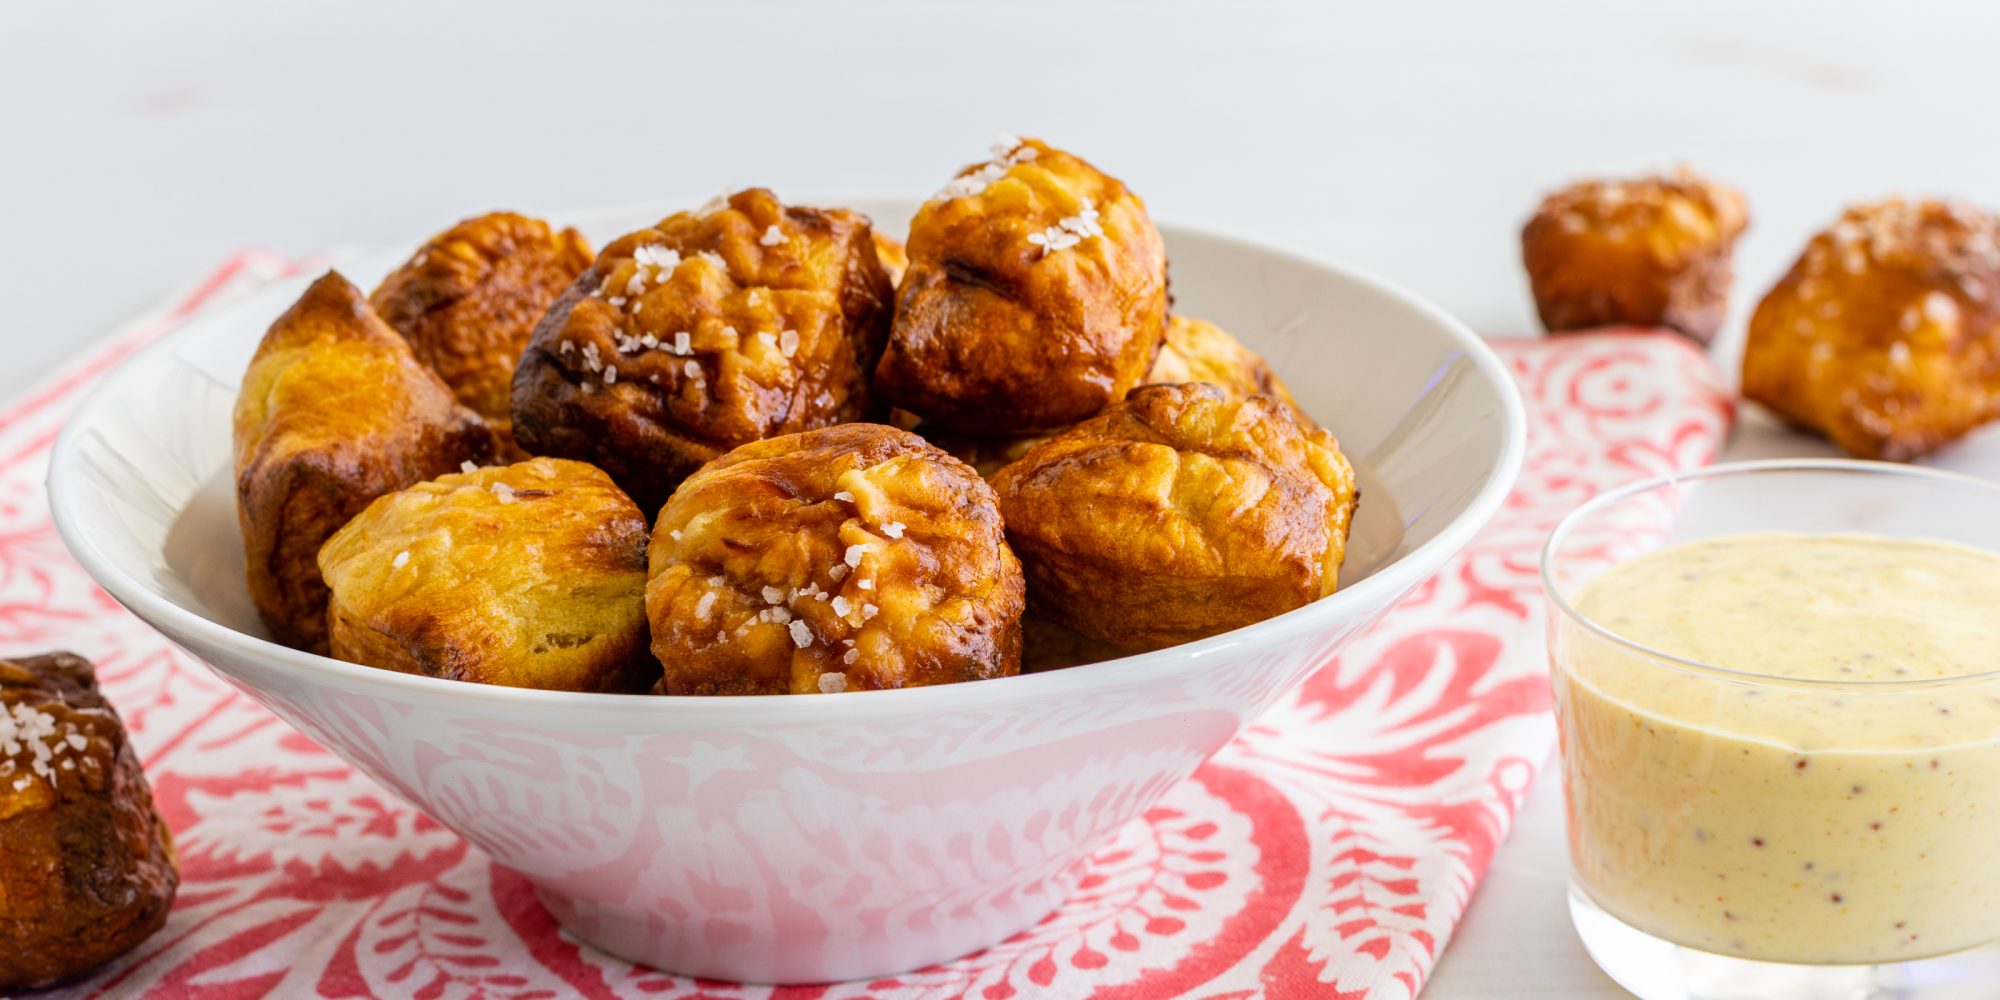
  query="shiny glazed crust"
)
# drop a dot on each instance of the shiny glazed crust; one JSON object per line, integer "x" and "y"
{"x": 1036, "y": 296}
{"x": 468, "y": 300}
{"x": 1885, "y": 335}
{"x": 1179, "y": 513}
{"x": 528, "y": 575}
{"x": 853, "y": 557}
{"x": 1648, "y": 252}
{"x": 87, "y": 868}
{"x": 747, "y": 320}
{"x": 334, "y": 411}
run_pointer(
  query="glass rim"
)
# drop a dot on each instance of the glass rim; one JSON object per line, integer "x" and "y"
{"x": 1731, "y": 470}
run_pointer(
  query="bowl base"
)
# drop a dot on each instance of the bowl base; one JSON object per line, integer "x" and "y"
{"x": 796, "y": 955}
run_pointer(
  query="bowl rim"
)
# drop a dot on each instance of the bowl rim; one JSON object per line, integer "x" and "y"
{"x": 1566, "y": 609}
{"x": 1395, "y": 577}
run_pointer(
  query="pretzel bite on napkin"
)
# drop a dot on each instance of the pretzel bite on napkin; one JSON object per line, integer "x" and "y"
{"x": 1654, "y": 251}
{"x": 849, "y": 558}
{"x": 1181, "y": 512}
{"x": 1199, "y": 351}
{"x": 1036, "y": 296}
{"x": 1885, "y": 335}
{"x": 528, "y": 575}
{"x": 468, "y": 300}
{"x": 334, "y": 411}
{"x": 87, "y": 868}
{"x": 708, "y": 330}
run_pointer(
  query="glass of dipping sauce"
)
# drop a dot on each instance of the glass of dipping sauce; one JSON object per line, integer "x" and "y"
{"x": 1778, "y": 689}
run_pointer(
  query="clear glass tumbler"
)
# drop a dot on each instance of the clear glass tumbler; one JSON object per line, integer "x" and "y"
{"x": 1738, "y": 835}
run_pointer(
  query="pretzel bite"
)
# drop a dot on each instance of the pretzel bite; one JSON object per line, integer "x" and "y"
{"x": 1181, "y": 512}
{"x": 334, "y": 411}
{"x": 712, "y": 329}
{"x": 87, "y": 867}
{"x": 468, "y": 299}
{"x": 1648, "y": 252}
{"x": 527, "y": 575}
{"x": 894, "y": 256}
{"x": 1885, "y": 335}
{"x": 1036, "y": 296}
{"x": 849, "y": 558}
{"x": 1199, "y": 351}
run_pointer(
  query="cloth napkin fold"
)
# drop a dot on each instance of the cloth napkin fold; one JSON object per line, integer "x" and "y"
{"x": 1327, "y": 852}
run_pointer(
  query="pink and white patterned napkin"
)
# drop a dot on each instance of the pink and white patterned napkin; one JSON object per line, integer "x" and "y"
{"x": 1327, "y": 852}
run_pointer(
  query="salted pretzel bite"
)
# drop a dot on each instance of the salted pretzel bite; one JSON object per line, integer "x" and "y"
{"x": 334, "y": 411}
{"x": 745, "y": 320}
{"x": 1036, "y": 296}
{"x": 848, "y": 558}
{"x": 87, "y": 867}
{"x": 1653, "y": 251}
{"x": 1885, "y": 335}
{"x": 1181, "y": 512}
{"x": 468, "y": 299}
{"x": 525, "y": 575}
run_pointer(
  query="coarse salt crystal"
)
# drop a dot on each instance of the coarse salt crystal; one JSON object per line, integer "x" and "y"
{"x": 894, "y": 529}
{"x": 838, "y": 572}
{"x": 610, "y": 375}
{"x": 865, "y": 584}
{"x": 683, "y": 343}
{"x": 844, "y": 496}
{"x": 772, "y": 236}
{"x": 869, "y": 611}
{"x": 674, "y": 534}
{"x": 467, "y": 466}
{"x": 693, "y": 370}
{"x": 853, "y": 554}
{"x": 788, "y": 343}
{"x": 773, "y": 595}
{"x": 701, "y": 607}
{"x": 802, "y": 635}
{"x": 841, "y": 607}
{"x": 402, "y": 559}
{"x": 768, "y": 339}
{"x": 503, "y": 492}
{"x": 77, "y": 741}
{"x": 832, "y": 683}
{"x": 850, "y": 656}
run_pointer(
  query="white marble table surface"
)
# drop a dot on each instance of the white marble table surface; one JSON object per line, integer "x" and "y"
{"x": 139, "y": 144}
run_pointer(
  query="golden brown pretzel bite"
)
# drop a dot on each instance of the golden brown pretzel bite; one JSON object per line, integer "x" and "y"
{"x": 711, "y": 329}
{"x": 847, "y": 558}
{"x": 334, "y": 411}
{"x": 1180, "y": 512}
{"x": 1036, "y": 296}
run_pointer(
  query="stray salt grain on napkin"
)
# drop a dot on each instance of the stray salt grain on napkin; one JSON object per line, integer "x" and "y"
{"x": 1329, "y": 851}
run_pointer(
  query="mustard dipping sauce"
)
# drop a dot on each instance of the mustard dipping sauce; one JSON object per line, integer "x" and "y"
{"x": 1843, "y": 806}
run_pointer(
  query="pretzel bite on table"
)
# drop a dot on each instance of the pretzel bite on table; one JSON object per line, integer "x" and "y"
{"x": 849, "y": 558}
{"x": 1199, "y": 351}
{"x": 1181, "y": 512}
{"x": 1036, "y": 296}
{"x": 1885, "y": 335}
{"x": 1654, "y": 251}
{"x": 87, "y": 868}
{"x": 528, "y": 575}
{"x": 707, "y": 331}
{"x": 469, "y": 298}
{"x": 334, "y": 411}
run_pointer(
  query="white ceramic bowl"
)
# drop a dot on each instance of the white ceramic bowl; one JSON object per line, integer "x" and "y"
{"x": 809, "y": 838}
